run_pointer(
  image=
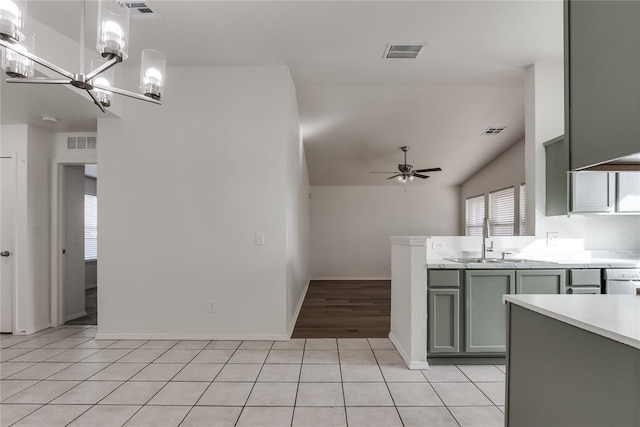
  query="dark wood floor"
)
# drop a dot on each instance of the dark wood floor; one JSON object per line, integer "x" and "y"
{"x": 91, "y": 307}
{"x": 345, "y": 309}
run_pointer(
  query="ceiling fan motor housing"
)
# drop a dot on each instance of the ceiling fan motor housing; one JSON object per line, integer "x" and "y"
{"x": 405, "y": 168}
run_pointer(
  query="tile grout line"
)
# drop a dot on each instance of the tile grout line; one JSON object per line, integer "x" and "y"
{"x": 254, "y": 383}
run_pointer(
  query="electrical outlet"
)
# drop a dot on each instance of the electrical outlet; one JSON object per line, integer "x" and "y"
{"x": 552, "y": 238}
{"x": 437, "y": 246}
{"x": 211, "y": 306}
{"x": 259, "y": 239}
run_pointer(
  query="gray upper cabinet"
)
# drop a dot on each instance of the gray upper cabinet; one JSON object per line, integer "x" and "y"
{"x": 540, "y": 281}
{"x": 602, "y": 84}
{"x": 592, "y": 192}
{"x": 575, "y": 192}
{"x": 485, "y": 313}
{"x": 628, "y": 197}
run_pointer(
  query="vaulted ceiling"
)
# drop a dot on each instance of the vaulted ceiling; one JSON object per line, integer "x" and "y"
{"x": 357, "y": 108}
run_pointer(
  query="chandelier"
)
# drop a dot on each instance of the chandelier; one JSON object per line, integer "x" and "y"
{"x": 112, "y": 44}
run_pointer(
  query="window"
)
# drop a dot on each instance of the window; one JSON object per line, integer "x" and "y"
{"x": 90, "y": 227}
{"x": 475, "y": 215}
{"x": 502, "y": 212}
{"x": 523, "y": 210}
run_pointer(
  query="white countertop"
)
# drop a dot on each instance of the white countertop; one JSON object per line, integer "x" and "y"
{"x": 616, "y": 317}
{"x": 592, "y": 263}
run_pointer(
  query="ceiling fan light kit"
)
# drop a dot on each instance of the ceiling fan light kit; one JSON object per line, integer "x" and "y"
{"x": 112, "y": 43}
{"x": 407, "y": 173}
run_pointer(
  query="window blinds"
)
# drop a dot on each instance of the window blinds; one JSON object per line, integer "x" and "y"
{"x": 501, "y": 212}
{"x": 90, "y": 227}
{"x": 474, "y": 215}
{"x": 523, "y": 211}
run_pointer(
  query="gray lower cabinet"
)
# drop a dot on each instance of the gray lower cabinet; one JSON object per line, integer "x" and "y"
{"x": 444, "y": 320}
{"x": 485, "y": 313}
{"x": 540, "y": 281}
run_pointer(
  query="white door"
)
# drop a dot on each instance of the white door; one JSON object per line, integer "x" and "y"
{"x": 7, "y": 201}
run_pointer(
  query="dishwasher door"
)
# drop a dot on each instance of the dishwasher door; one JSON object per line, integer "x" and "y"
{"x": 630, "y": 287}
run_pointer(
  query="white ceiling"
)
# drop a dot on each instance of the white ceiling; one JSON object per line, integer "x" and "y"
{"x": 356, "y": 109}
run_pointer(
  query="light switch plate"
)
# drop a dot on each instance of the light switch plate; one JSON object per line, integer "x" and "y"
{"x": 552, "y": 238}
{"x": 259, "y": 239}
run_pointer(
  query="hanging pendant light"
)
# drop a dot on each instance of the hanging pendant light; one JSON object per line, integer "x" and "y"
{"x": 112, "y": 44}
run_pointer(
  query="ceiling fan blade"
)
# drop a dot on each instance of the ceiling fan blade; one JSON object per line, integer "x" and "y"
{"x": 429, "y": 170}
{"x": 394, "y": 176}
{"x": 420, "y": 176}
{"x": 383, "y": 172}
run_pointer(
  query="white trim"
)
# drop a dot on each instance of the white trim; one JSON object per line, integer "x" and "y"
{"x": 34, "y": 329}
{"x": 75, "y": 316}
{"x": 194, "y": 337}
{"x": 411, "y": 364}
{"x": 350, "y": 278}
{"x": 409, "y": 240}
{"x": 294, "y": 319}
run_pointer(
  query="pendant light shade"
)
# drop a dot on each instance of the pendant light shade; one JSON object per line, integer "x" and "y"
{"x": 104, "y": 79}
{"x": 12, "y": 15}
{"x": 152, "y": 73}
{"x": 14, "y": 63}
{"x": 113, "y": 30}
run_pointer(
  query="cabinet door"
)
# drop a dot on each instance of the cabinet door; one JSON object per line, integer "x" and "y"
{"x": 628, "y": 197}
{"x": 602, "y": 68}
{"x": 444, "y": 320}
{"x": 485, "y": 313}
{"x": 592, "y": 191}
{"x": 540, "y": 281}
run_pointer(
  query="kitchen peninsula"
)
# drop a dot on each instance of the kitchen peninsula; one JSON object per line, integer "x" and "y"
{"x": 573, "y": 360}
{"x": 445, "y": 308}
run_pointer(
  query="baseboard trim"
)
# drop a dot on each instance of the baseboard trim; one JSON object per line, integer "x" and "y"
{"x": 411, "y": 364}
{"x": 192, "y": 337}
{"x": 294, "y": 319}
{"x": 350, "y": 278}
{"x": 33, "y": 330}
{"x": 75, "y": 316}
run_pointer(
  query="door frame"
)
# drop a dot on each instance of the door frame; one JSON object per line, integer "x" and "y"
{"x": 57, "y": 232}
{"x": 13, "y": 258}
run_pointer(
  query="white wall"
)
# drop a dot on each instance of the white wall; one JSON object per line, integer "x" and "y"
{"x": 74, "y": 281}
{"x": 297, "y": 214}
{"x": 210, "y": 170}
{"x": 32, "y": 148}
{"x": 506, "y": 170}
{"x": 351, "y": 225}
{"x": 544, "y": 120}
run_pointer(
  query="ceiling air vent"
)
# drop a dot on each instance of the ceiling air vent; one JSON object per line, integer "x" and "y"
{"x": 142, "y": 10}
{"x": 403, "y": 50}
{"x": 81, "y": 143}
{"x": 493, "y": 131}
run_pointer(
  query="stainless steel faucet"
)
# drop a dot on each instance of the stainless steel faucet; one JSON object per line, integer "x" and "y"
{"x": 486, "y": 228}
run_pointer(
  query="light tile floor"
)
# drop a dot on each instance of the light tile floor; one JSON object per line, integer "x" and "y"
{"x": 64, "y": 376}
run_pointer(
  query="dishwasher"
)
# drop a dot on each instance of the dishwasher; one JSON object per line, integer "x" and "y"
{"x": 622, "y": 281}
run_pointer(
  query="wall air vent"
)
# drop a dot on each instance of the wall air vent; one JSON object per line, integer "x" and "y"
{"x": 81, "y": 143}
{"x": 493, "y": 131}
{"x": 142, "y": 10}
{"x": 403, "y": 50}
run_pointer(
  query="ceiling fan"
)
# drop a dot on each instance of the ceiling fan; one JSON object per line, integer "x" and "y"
{"x": 407, "y": 172}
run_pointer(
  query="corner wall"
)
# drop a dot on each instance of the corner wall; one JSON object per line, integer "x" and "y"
{"x": 351, "y": 225}
{"x": 184, "y": 188}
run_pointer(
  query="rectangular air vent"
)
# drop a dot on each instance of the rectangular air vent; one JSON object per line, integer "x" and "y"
{"x": 403, "y": 50}
{"x": 142, "y": 9}
{"x": 81, "y": 143}
{"x": 493, "y": 131}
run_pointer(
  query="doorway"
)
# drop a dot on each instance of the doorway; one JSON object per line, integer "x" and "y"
{"x": 79, "y": 238}
{"x": 7, "y": 244}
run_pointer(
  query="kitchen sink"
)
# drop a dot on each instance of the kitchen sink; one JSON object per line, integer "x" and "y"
{"x": 498, "y": 261}
{"x": 473, "y": 260}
